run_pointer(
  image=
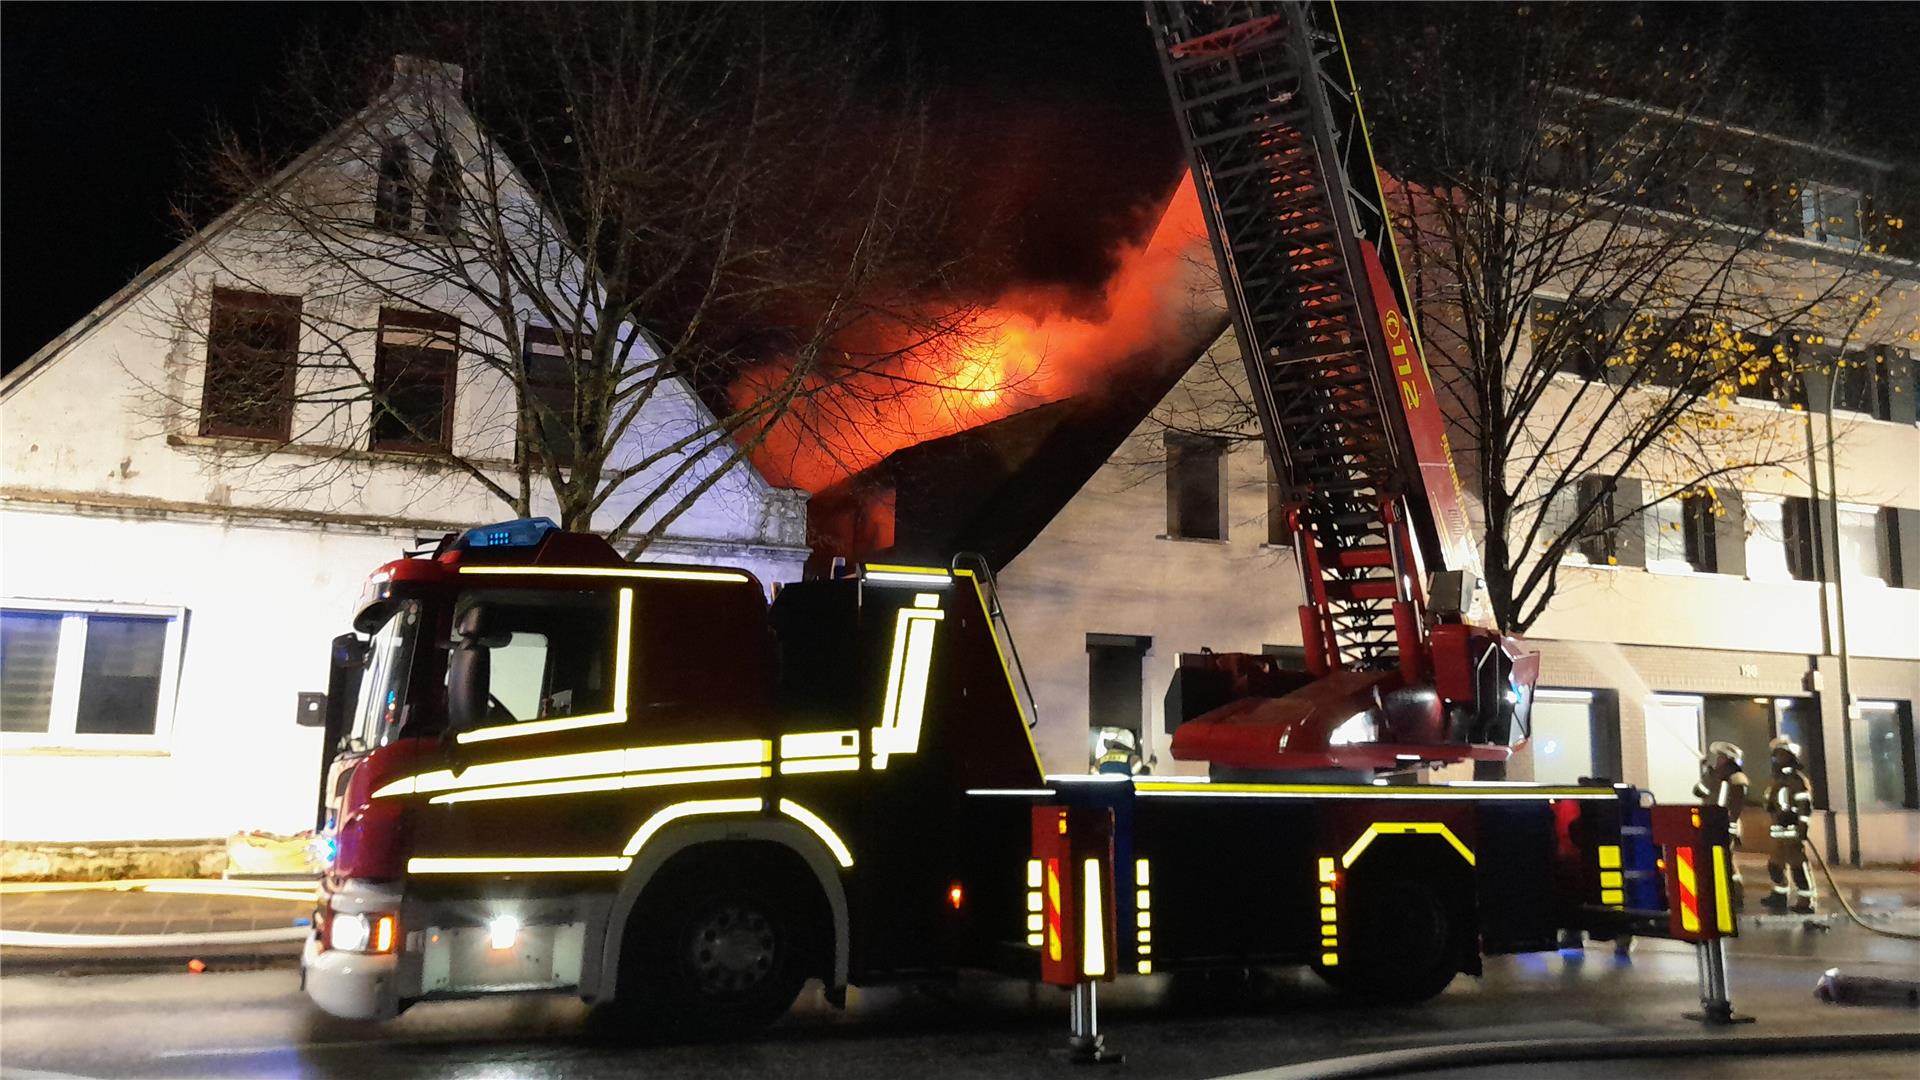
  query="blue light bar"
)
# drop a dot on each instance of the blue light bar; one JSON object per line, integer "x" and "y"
{"x": 524, "y": 533}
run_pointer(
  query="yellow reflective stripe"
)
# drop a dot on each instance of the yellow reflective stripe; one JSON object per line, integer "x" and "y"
{"x": 1326, "y": 869}
{"x": 593, "y": 763}
{"x": 1033, "y": 873}
{"x": 907, "y": 672}
{"x": 656, "y": 573}
{"x": 1142, "y": 873}
{"x": 1404, "y": 828}
{"x": 1722, "y": 891}
{"x": 1609, "y": 856}
{"x": 1612, "y": 896}
{"x": 540, "y": 727}
{"x": 514, "y": 865}
{"x": 810, "y": 744}
{"x": 820, "y": 829}
{"x": 670, "y": 814}
{"x": 696, "y": 755}
{"x": 605, "y": 783}
{"x": 1689, "y": 898}
{"x": 819, "y": 765}
{"x": 1611, "y": 879}
{"x": 1093, "y": 943}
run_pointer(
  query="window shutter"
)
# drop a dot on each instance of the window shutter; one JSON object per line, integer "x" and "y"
{"x": 1730, "y": 534}
{"x": 1903, "y": 526}
{"x": 1630, "y": 537}
{"x": 1593, "y": 547}
{"x": 1797, "y": 526}
{"x": 1898, "y": 388}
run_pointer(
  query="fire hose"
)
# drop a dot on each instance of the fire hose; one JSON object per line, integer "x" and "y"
{"x": 1848, "y": 908}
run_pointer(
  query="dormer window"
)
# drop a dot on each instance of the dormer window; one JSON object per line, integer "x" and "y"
{"x": 443, "y": 197}
{"x": 393, "y": 190}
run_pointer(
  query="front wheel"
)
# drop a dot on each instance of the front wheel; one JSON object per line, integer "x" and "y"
{"x": 1396, "y": 944}
{"x": 713, "y": 958}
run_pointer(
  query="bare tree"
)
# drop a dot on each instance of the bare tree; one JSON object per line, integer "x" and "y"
{"x": 1603, "y": 236}
{"x": 639, "y": 235}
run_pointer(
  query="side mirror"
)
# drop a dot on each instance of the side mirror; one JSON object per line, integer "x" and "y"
{"x": 470, "y": 667}
{"x": 349, "y": 651}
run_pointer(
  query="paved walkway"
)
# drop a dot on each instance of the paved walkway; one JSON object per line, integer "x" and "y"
{"x": 150, "y": 925}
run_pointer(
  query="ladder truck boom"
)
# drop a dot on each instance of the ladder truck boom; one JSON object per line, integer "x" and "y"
{"x": 1299, "y": 226}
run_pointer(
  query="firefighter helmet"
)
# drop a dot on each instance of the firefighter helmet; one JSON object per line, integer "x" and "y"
{"x": 1724, "y": 749}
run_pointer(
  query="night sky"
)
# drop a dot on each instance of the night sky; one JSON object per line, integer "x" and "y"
{"x": 103, "y": 106}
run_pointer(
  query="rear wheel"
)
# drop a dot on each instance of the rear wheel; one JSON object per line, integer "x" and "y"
{"x": 1397, "y": 943}
{"x": 713, "y": 956}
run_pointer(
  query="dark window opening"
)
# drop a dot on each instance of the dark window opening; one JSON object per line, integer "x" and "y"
{"x": 1195, "y": 506}
{"x": 1797, "y": 718}
{"x": 1115, "y": 681}
{"x": 555, "y": 421}
{"x": 442, "y": 216}
{"x": 393, "y": 190}
{"x": 252, "y": 339}
{"x": 414, "y": 366}
{"x": 1572, "y": 343}
{"x": 1698, "y": 528}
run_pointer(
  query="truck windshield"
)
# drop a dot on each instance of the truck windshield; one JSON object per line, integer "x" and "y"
{"x": 382, "y": 708}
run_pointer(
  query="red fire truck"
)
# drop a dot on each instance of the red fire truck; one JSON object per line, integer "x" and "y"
{"x": 560, "y": 771}
{"x": 647, "y": 786}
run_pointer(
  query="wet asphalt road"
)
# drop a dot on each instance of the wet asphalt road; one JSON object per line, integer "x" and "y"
{"x": 257, "y": 1024}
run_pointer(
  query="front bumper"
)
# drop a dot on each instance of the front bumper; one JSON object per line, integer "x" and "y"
{"x": 352, "y": 986}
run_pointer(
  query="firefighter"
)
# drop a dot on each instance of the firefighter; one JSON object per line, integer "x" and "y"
{"x": 1119, "y": 756}
{"x": 1723, "y": 783}
{"x": 1790, "y": 806}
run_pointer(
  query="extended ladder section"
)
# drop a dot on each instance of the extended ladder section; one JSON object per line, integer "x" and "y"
{"x": 1293, "y": 208}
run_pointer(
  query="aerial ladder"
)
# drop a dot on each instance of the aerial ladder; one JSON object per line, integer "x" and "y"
{"x": 1395, "y": 676}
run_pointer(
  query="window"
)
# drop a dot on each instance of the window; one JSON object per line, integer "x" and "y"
{"x": 1577, "y": 341}
{"x": 251, "y": 343}
{"x": 101, "y": 677}
{"x": 556, "y": 653}
{"x": 1883, "y": 755}
{"x": 1767, "y": 539}
{"x": 1566, "y": 736}
{"x": 393, "y": 189}
{"x": 1830, "y": 214}
{"x": 1195, "y": 506}
{"x": 550, "y": 383}
{"x": 1115, "y": 685}
{"x": 413, "y": 380}
{"x": 1665, "y": 523}
{"x": 1863, "y": 542}
{"x": 1798, "y": 719}
{"x": 1617, "y": 498}
{"x": 442, "y": 215}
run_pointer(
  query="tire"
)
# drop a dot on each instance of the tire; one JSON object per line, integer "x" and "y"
{"x": 1397, "y": 943}
{"x": 714, "y": 955}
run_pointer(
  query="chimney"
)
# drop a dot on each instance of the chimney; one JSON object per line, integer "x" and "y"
{"x": 418, "y": 75}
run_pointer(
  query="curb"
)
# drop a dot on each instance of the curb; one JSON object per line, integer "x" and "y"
{"x": 167, "y": 960}
{"x": 30, "y": 939}
{"x": 1425, "y": 1058}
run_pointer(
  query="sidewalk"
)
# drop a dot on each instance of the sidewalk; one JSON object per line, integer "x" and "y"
{"x": 150, "y": 925}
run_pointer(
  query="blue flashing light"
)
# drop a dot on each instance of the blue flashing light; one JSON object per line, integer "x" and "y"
{"x": 524, "y": 533}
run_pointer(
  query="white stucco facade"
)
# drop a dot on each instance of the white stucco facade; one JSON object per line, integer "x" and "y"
{"x": 112, "y": 503}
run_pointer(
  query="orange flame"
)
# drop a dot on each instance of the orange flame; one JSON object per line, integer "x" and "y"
{"x": 1030, "y": 346}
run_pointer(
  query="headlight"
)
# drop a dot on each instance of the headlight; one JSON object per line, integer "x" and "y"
{"x": 361, "y": 933}
{"x": 1356, "y": 729}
